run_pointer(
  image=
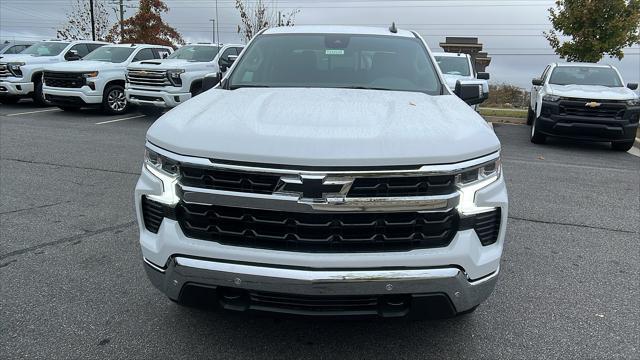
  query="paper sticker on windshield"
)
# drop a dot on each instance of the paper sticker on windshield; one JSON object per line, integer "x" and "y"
{"x": 334, "y": 52}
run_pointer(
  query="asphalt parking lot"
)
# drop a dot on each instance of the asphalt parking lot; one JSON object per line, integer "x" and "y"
{"x": 72, "y": 283}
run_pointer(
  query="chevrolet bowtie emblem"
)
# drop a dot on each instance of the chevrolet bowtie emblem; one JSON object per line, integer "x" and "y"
{"x": 314, "y": 188}
{"x": 592, "y": 104}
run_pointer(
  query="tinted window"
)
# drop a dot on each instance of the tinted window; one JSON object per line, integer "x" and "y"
{"x": 196, "y": 53}
{"x": 337, "y": 61}
{"x": 454, "y": 65}
{"x": 46, "y": 48}
{"x": 577, "y": 75}
{"x": 92, "y": 47}
{"x": 162, "y": 53}
{"x": 226, "y": 53}
{"x": 82, "y": 49}
{"x": 114, "y": 54}
{"x": 238, "y": 50}
{"x": 144, "y": 54}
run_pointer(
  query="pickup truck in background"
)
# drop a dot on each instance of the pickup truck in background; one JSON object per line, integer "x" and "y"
{"x": 457, "y": 66}
{"x": 21, "y": 74}
{"x": 14, "y": 47}
{"x": 330, "y": 172}
{"x": 98, "y": 80}
{"x": 159, "y": 84}
{"x": 584, "y": 101}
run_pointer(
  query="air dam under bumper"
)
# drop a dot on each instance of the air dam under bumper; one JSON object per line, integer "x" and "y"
{"x": 448, "y": 283}
{"x": 161, "y": 99}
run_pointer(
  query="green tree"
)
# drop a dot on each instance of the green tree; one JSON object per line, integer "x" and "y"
{"x": 147, "y": 27}
{"x": 596, "y": 28}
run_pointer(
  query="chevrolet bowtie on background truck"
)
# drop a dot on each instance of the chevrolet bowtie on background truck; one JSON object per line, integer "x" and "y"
{"x": 97, "y": 80}
{"x": 21, "y": 74}
{"x": 584, "y": 101}
{"x": 159, "y": 84}
{"x": 331, "y": 172}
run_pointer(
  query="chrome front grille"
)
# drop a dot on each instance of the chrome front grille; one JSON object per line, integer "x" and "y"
{"x": 4, "y": 71}
{"x": 148, "y": 77}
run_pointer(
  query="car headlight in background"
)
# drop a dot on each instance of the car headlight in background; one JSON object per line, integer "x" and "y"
{"x": 551, "y": 98}
{"x": 14, "y": 68}
{"x": 174, "y": 76}
{"x": 471, "y": 180}
{"x": 90, "y": 74}
{"x": 633, "y": 102}
{"x": 167, "y": 171}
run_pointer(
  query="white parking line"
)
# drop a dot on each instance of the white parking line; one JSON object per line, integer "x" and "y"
{"x": 123, "y": 119}
{"x": 33, "y": 112}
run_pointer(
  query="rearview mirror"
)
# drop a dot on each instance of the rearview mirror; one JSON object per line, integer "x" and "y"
{"x": 483, "y": 76}
{"x": 210, "y": 81}
{"x": 536, "y": 82}
{"x": 632, "y": 86}
{"x": 72, "y": 55}
{"x": 471, "y": 91}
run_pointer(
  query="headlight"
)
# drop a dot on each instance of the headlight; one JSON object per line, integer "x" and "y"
{"x": 633, "y": 102}
{"x": 14, "y": 68}
{"x": 471, "y": 180}
{"x": 174, "y": 76}
{"x": 551, "y": 98}
{"x": 167, "y": 171}
{"x": 91, "y": 74}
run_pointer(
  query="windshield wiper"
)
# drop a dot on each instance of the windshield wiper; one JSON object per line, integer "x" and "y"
{"x": 363, "y": 88}
{"x": 233, "y": 87}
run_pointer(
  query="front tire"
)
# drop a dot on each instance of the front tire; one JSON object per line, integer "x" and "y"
{"x": 114, "y": 101}
{"x": 536, "y": 137}
{"x": 622, "y": 146}
{"x": 38, "y": 94}
{"x": 530, "y": 116}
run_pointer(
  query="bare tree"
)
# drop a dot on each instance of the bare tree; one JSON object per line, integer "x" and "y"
{"x": 257, "y": 15}
{"x": 78, "y": 25}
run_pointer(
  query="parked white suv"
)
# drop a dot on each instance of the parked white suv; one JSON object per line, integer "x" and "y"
{"x": 457, "y": 66}
{"x": 155, "y": 85}
{"x": 21, "y": 74}
{"x": 98, "y": 80}
{"x": 584, "y": 101}
{"x": 332, "y": 172}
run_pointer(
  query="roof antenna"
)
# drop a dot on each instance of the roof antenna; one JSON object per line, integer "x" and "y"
{"x": 393, "y": 28}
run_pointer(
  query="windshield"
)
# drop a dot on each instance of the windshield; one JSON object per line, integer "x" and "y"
{"x": 114, "y": 54}
{"x": 458, "y": 65}
{"x": 196, "y": 53}
{"x": 46, "y": 49}
{"x": 579, "y": 75}
{"x": 336, "y": 61}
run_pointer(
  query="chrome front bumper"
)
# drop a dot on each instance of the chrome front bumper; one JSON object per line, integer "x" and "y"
{"x": 451, "y": 281}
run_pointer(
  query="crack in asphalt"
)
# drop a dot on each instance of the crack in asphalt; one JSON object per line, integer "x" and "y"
{"x": 572, "y": 224}
{"x": 34, "y": 207}
{"x": 71, "y": 166}
{"x": 67, "y": 239}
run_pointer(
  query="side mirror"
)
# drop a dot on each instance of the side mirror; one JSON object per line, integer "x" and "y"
{"x": 632, "y": 86}
{"x": 536, "y": 82}
{"x": 72, "y": 55}
{"x": 210, "y": 81}
{"x": 483, "y": 76}
{"x": 471, "y": 91}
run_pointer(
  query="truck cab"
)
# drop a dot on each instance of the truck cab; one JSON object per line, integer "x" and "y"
{"x": 158, "y": 84}
{"x": 584, "y": 101}
{"x": 97, "y": 80}
{"x": 21, "y": 74}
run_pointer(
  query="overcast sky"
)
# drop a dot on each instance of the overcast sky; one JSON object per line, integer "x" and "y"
{"x": 511, "y": 30}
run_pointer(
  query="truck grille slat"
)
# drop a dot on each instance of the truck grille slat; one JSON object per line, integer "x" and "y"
{"x": 487, "y": 226}
{"x": 64, "y": 79}
{"x": 148, "y": 77}
{"x": 4, "y": 71}
{"x": 229, "y": 180}
{"x": 152, "y": 214}
{"x": 317, "y": 232}
{"x": 402, "y": 186}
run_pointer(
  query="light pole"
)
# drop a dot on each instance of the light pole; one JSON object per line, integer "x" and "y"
{"x": 214, "y": 29}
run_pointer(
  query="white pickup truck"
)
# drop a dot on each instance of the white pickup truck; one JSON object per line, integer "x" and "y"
{"x": 584, "y": 101}
{"x": 331, "y": 172}
{"x": 457, "y": 66}
{"x": 97, "y": 80}
{"x": 21, "y": 74}
{"x": 159, "y": 84}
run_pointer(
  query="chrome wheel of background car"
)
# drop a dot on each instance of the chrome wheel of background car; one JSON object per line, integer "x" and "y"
{"x": 117, "y": 100}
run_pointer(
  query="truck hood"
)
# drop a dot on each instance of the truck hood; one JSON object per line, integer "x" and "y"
{"x": 325, "y": 127}
{"x": 168, "y": 64}
{"x": 29, "y": 59}
{"x": 84, "y": 65}
{"x": 594, "y": 92}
